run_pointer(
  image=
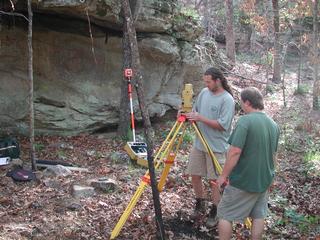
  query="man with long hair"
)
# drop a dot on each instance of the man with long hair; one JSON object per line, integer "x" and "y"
{"x": 213, "y": 112}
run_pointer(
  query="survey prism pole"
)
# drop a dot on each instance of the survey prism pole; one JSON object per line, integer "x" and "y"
{"x": 128, "y": 75}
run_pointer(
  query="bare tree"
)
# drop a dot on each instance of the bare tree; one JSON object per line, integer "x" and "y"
{"x": 138, "y": 83}
{"x": 124, "y": 116}
{"x": 206, "y": 17}
{"x": 315, "y": 60}
{"x": 276, "y": 57}
{"x": 136, "y": 66}
{"x": 30, "y": 74}
{"x": 230, "y": 41}
{"x": 300, "y": 64}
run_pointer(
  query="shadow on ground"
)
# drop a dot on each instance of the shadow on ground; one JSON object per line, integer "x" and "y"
{"x": 186, "y": 229}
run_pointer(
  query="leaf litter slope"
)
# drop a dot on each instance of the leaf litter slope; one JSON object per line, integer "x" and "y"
{"x": 45, "y": 209}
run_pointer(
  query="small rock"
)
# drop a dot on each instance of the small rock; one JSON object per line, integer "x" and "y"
{"x": 82, "y": 191}
{"x": 74, "y": 206}
{"x": 119, "y": 158}
{"x": 51, "y": 183}
{"x": 5, "y": 201}
{"x": 35, "y": 205}
{"x": 16, "y": 162}
{"x": 39, "y": 174}
{"x": 61, "y": 145}
{"x": 91, "y": 153}
{"x": 104, "y": 184}
{"x": 57, "y": 170}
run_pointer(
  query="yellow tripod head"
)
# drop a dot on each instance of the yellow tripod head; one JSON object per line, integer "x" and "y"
{"x": 187, "y": 95}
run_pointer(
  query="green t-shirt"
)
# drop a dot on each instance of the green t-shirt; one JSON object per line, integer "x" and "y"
{"x": 257, "y": 135}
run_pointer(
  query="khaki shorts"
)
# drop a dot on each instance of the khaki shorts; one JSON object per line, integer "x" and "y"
{"x": 236, "y": 205}
{"x": 200, "y": 164}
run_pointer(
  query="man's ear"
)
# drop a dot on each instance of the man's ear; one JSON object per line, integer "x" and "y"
{"x": 247, "y": 103}
{"x": 217, "y": 80}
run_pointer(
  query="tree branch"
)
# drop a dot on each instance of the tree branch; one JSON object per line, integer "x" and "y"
{"x": 90, "y": 32}
{"x": 14, "y": 14}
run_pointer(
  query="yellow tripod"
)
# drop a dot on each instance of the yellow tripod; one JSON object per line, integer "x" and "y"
{"x": 165, "y": 157}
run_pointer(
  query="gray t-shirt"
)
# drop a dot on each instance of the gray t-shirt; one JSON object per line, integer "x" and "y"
{"x": 216, "y": 107}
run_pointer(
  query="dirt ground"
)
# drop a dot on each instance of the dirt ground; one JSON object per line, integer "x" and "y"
{"x": 46, "y": 209}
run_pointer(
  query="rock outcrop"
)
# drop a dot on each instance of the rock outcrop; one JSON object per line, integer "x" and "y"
{"x": 76, "y": 78}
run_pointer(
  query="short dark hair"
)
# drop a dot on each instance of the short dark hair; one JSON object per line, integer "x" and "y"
{"x": 254, "y": 96}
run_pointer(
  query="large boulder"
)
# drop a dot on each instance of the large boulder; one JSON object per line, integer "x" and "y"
{"x": 76, "y": 78}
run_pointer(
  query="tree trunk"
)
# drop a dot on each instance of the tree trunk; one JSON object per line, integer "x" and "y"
{"x": 230, "y": 41}
{"x": 268, "y": 66}
{"x": 284, "y": 75}
{"x": 253, "y": 39}
{"x": 137, "y": 75}
{"x": 206, "y": 18}
{"x": 124, "y": 117}
{"x": 135, "y": 6}
{"x": 30, "y": 73}
{"x": 124, "y": 113}
{"x": 299, "y": 64}
{"x": 316, "y": 84}
{"x": 276, "y": 57}
{"x": 138, "y": 83}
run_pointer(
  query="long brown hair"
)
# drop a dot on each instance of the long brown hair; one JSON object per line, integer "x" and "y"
{"x": 216, "y": 73}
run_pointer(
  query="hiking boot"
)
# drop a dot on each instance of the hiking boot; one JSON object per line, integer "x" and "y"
{"x": 212, "y": 217}
{"x": 200, "y": 208}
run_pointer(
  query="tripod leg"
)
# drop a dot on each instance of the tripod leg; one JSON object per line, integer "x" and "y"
{"x": 170, "y": 143}
{"x": 206, "y": 145}
{"x": 169, "y": 161}
{"x": 167, "y": 145}
{"x": 128, "y": 210}
{"x": 173, "y": 129}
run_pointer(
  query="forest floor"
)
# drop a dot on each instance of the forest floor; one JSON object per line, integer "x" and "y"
{"x": 45, "y": 208}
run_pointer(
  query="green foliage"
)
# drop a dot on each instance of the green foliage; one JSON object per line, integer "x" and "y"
{"x": 268, "y": 58}
{"x": 293, "y": 216}
{"x": 129, "y": 136}
{"x": 99, "y": 155}
{"x": 244, "y": 18}
{"x": 288, "y": 139}
{"x": 297, "y": 139}
{"x": 270, "y": 88}
{"x": 61, "y": 154}
{"x": 39, "y": 146}
{"x": 184, "y": 14}
{"x": 188, "y": 137}
{"x": 304, "y": 222}
{"x": 221, "y": 13}
{"x": 164, "y": 133}
{"x": 312, "y": 156}
{"x": 302, "y": 90}
{"x": 191, "y": 13}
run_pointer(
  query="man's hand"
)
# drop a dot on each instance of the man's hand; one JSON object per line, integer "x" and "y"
{"x": 193, "y": 116}
{"x": 221, "y": 182}
{"x": 179, "y": 113}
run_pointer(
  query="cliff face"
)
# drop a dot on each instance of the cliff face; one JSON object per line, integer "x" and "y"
{"x": 77, "y": 89}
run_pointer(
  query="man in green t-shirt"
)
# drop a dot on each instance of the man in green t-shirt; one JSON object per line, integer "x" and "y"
{"x": 250, "y": 166}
